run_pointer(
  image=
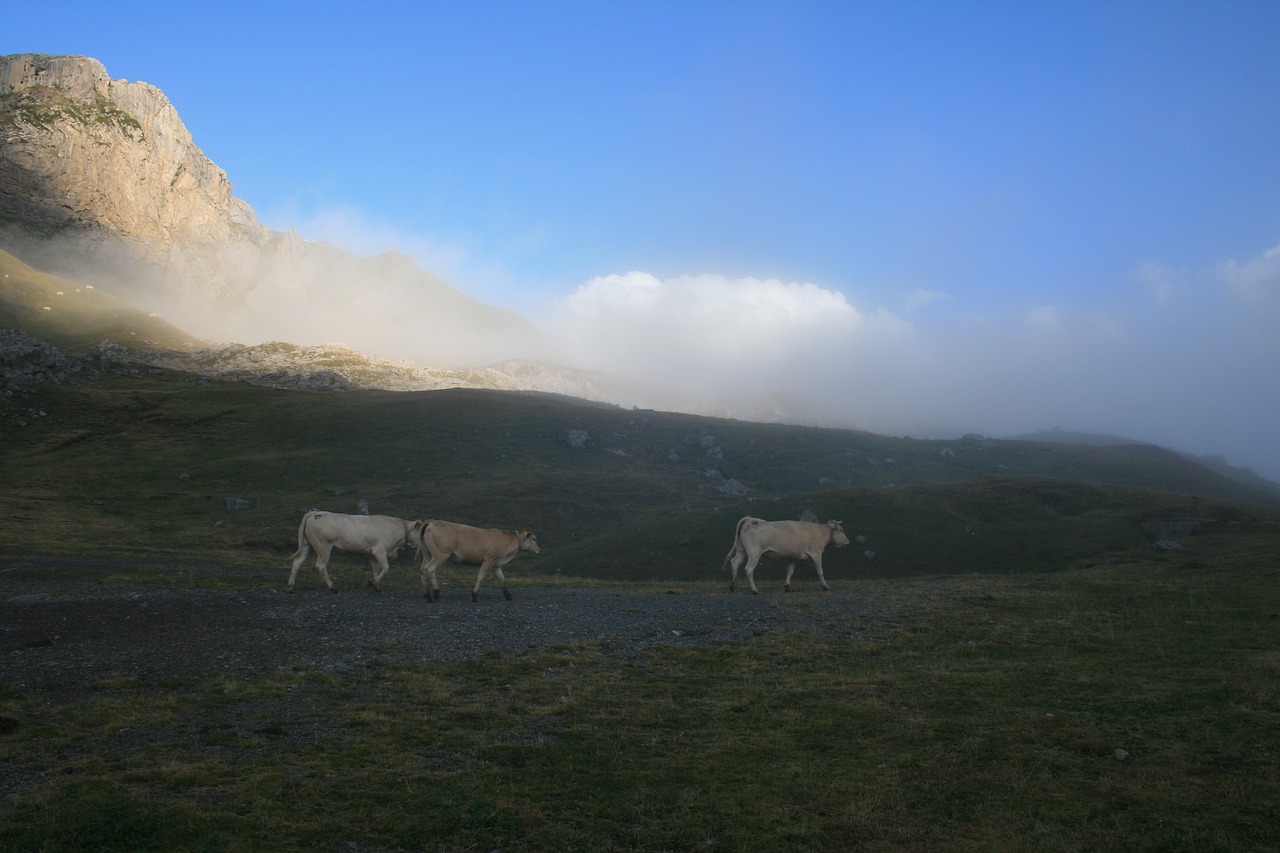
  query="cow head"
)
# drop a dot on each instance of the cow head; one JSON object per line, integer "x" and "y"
{"x": 837, "y": 534}
{"x": 528, "y": 541}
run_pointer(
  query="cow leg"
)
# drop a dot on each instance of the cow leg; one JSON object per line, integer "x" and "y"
{"x": 735, "y": 562}
{"x": 752, "y": 561}
{"x": 322, "y": 564}
{"x": 427, "y": 569}
{"x": 379, "y": 566}
{"x": 817, "y": 564}
{"x": 421, "y": 565}
{"x": 484, "y": 570}
{"x": 299, "y": 557}
{"x": 791, "y": 567}
{"x": 502, "y": 579}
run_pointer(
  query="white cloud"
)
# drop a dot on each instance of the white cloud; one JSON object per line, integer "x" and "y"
{"x": 1257, "y": 281}
{"x": 921, "y": 297}
{"x": 1184, "y": 376}
{"x": 1044, "y": 320}
{"x": 1162, "y": 284}
{"x": 708, "y": 332}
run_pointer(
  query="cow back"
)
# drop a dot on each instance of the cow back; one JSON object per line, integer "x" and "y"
{"x": 784, "y": 538}
{"x": 354, "y": 531}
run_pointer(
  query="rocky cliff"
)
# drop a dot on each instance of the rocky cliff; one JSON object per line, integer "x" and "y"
{"x": 101, "y": 182}
{"x": 107, "y": 164}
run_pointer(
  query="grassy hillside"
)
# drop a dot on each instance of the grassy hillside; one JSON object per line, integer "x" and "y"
{"x": 145, "y": 465}
{"x": 73, "y": 316}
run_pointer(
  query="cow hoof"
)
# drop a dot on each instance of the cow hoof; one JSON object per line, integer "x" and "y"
{"x": 474, "y": 597}
{"x": 508, "y": 595}
{"x": 333, "y": 589}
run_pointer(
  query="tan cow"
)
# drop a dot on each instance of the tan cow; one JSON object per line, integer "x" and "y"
{"x": 469, "y": 546}
{"x": 374, "y": 535}
{"x": 782, "y": 540}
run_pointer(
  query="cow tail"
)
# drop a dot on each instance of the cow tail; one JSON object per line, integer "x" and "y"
{"x": 302, "y": 535}
{"x": 737, "y": 541}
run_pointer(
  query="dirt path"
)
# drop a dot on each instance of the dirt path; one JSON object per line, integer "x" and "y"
{"x": 67, "y": 634}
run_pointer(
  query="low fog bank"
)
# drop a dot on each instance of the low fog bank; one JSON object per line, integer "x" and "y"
{"x": 1190, "y": 367}
{"x": 1187, "y": 363}
{"x": 285, "y": 288}
{"x": 384, "y": 306}
{"x": 1187, "y": 360}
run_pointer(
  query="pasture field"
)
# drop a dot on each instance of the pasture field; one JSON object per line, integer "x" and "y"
{"x": 144, "y": 466}
{"x": 1122, "y": 704}
{"x": 1043, "y": 679}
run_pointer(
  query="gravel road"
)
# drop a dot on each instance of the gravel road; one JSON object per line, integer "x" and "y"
{"x": 71, "y": 634}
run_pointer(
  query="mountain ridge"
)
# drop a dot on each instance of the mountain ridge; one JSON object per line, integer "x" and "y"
{"x": 101, "y": 182}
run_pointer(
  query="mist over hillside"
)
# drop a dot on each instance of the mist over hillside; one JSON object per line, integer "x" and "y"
{"x": 101, "y": 182}
{"x": 103, "y": 185}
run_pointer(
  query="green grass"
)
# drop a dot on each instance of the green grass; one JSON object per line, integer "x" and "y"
{"x": 1031, "y": 634}
{"x": 78, "y": 317}
{"x": 45, "y": 108}
{"x": 985, "y": 715}
{"x": 142, "y": 466}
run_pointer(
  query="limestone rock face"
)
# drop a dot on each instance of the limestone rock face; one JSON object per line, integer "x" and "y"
{"x": 83, "y": 150}
{"x": 101, "y": 182}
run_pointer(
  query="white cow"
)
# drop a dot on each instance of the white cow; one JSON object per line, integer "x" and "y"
{"x": 374, "y": 535}
{"x": 782, "y": 540}
{"x": 469, "y": 546}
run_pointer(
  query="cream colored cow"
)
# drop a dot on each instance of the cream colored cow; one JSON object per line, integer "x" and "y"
{"x": 782, "y": 540}
{"x": 375, "y": 535}
{"x": 488, "y": 548}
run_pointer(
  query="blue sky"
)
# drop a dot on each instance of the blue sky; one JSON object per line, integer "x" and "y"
{"x": 940, "y": 216}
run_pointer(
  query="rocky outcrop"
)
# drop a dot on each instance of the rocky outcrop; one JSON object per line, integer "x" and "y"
{"x": 333, "y": 367}
{"x": 26, "y": 361}
{"x": 102, "y": 183}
